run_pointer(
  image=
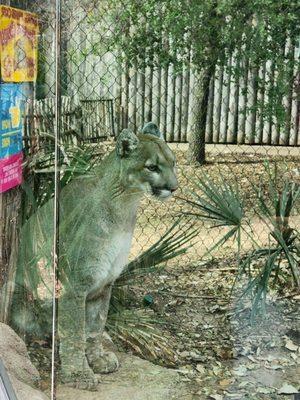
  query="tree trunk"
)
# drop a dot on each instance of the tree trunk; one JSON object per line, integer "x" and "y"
{"x": 197, "y": 142}
{"x": 10, "y": 203}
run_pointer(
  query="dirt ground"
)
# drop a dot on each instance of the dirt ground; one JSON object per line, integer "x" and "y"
{"x": 216, "y": 348}
{"x": 220, "y": 352}
{"x": 206, "y": 334}
{"x": 136, "y": 379}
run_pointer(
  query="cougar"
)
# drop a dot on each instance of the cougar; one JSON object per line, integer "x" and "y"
{"x": 97, "y": 220}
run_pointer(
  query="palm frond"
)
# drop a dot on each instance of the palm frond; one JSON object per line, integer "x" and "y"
{"x": 219, "y": 204}
{"x": 140, "y": 332}
{"x": 275, "y": 210}
{"x": 176, "y": 241}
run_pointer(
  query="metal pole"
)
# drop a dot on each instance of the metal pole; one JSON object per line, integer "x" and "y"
{"x": 57, "y": 129}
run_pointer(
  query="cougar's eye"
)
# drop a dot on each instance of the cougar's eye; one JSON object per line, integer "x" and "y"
{"x": 153, "y": 168}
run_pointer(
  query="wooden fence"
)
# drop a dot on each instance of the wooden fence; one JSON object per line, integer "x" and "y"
{"x": 88, "y": 121}
{"x": 239, "y": 110}
{"x": 236, "y": 107}
{"x": 235, "y": 115}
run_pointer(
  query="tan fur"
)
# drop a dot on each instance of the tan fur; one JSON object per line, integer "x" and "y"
{"x": 109, "y": 214}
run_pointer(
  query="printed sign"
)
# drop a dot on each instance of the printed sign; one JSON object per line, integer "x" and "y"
{"x": 18, "y": 45}
{"x": 12, "y": 103}
{"x": 11, "y": 172}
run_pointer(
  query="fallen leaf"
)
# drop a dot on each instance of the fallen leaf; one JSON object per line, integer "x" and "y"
{"x": 200, "y": 368}
{"x": 216, "y": 397}
{"x": 290, "y": 345}
{"x": 286, "y": 388}
{"x": 225, "y": 382}
{"x": 264, "y": 390}
{"x": 244, "y": 383}
{"x": 240, "y": 371}
{"x": 273, "y": 366}
{"x": 216, "y": 370}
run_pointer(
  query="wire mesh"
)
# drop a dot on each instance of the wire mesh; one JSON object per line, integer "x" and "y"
{"x": 222, "y": 85}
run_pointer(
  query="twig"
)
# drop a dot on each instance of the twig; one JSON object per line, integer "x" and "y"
{"x": 190, "y": 296}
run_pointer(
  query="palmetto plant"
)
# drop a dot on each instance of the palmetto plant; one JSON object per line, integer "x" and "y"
{"x": 138, "y": 328}
{"x": 219, "y": 204}
{"x": 175, "y": 241}
{"x": 223, "y": 206}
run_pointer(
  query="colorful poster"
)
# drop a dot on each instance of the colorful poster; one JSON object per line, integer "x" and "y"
{"x": 11, "y": 172}
{"x": 12, "y": 105}
{"x": 18, "y": 45}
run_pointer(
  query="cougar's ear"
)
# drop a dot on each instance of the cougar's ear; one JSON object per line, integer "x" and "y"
{"x": 126, "y": 143}
{"x": 152, "y": 129}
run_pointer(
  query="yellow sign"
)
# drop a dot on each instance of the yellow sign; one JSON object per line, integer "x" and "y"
{"x": 18, "y": 45}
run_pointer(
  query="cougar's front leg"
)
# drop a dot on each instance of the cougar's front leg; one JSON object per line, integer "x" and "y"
{"x": 96, "y": 315}
{"x": 71, "y": 321}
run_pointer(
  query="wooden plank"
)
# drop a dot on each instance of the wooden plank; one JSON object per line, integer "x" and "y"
{"x": 232, "y": 104}
{"x": 274, "y": 126}
{"x": 164, "y": 101}
{"x": 170, "y": 105}
{"x": 148, "y": 95}
{"x": 271, "y": 118}
{"x": 236, "y": 103}
{"x": 132, "y": 98}
{"x": 295, "y": 112}
{"x": 243, "y": 98}
{"x": 143, "y": 94}
{"x": 218, "y": 103}
{"x": 178, "y": 104}
{"x": 192, "y": 107}
{"x": 251, "y": 105}
{"x": 266, "y": 133}
{"x": 117, "y": 93}
{"x": 157, "y": 96}
{"x": 185, "y": 102}
{"x": 150, "y": 115}
{"x": 259, "y": 124}
{"x": 172, "y": 101}
{"x": 139, "y": 99}
{"x": 126, "y": 96}
{"x": 225, "y": 103}
{"x": 288, "y": 99}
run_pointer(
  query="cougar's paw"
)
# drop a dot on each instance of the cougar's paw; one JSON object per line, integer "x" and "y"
{"x": 105, "y": 363}
{"x": 81, "y": 378}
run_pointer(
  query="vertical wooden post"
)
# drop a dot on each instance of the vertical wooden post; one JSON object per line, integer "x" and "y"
{"x": 10, "y": 204}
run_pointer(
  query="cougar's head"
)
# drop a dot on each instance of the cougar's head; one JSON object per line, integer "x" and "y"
{"x": 147, "y": 163}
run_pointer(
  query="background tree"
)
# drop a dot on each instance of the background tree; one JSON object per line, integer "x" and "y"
{"x": 204, "y": 34}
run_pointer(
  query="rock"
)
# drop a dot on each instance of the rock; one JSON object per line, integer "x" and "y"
{"x": 24, "y": 376}
{"x": 136, "y": 379}
{"x": 26, "y": 392}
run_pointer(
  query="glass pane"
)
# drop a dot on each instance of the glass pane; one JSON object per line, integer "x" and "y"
{"x": 27, "y": 189}
{"x": 178, "y": 212}
{"x": 197, "y": 283}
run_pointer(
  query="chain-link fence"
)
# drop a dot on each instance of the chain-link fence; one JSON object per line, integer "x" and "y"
{"x": 221, "y": 81}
